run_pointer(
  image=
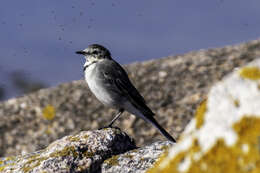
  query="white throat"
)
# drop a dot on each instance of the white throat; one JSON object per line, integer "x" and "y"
{"x": 87, "y": 63}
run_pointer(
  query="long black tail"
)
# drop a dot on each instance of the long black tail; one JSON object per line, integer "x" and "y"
{"x": 162, "y": 131}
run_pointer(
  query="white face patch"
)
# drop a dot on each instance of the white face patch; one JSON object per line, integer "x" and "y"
{"x": 90, "y": 58}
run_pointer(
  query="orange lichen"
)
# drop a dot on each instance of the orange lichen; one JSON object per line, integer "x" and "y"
{"x": 200, "y": 112}
{"x": 49, "y": 112}
{"x": 222, "y": 158}
{"x": 252, "y": 73}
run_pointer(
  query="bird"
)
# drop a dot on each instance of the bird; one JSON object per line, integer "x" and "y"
{"x": 110, "y": 83}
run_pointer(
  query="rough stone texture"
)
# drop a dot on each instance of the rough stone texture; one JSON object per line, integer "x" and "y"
{"x": 225, "y": 134}
{"x": 173, "y": 87}
{"x": 79, "y": 153}
{"x": 136, "y": 161}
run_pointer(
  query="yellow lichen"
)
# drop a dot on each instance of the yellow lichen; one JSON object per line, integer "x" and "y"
{"x": 142, "y": 159}
{"x": 35, "y": 160}
{"x": 11, "y": 158}
{"x": 222, "y": 158}
{"x": 200, "y": 112}
{"x": 66, "y": 151}
{"x": 252, "y": 73}
{"x": 165, "y": 147}
{"x": 128, "y": 155}
{"x": 7, "y": 161}
{"x": 113, "y": 161}
{"x": 86, "y": 136}
{"x": 32, "y": 162}
{"x": 236, "y": 102}
{"x": 88, "y": 154}
{"x": 2, "y": 168}
{"x": 249, "y": 132}
{"x": 73, "y": 139}
{"x": 172, "y": 165}
{"x": 49, "y": 112}
{"x": 156, "y": 166}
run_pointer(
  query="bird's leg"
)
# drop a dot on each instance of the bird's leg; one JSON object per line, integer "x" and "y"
{"x": 116, "y": 117}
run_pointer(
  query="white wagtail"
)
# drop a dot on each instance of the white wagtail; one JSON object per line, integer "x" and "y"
{"x": 110, "y": 84}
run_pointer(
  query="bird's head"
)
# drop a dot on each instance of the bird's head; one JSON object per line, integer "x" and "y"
{"x": 95, "y": 53}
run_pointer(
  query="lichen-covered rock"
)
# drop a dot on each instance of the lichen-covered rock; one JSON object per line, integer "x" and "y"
{"x": 172, "y": 86}
{"x": 225, "y": 134}
{"x": 77, "y": 153}
{"x": 135, "y": 161}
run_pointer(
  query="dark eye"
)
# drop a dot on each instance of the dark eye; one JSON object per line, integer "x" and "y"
{"x": 95, "y": 52}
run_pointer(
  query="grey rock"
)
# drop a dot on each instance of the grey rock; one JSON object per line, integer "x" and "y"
{"x": 172, "y": 86}
{"x": 136, "y": 161}
{"x": 83, "y": 152}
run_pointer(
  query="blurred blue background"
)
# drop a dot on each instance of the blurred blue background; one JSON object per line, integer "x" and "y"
{"x": 39, "y": 38}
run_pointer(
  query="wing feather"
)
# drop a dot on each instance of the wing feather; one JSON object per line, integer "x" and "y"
{"x": 115, "y": 74}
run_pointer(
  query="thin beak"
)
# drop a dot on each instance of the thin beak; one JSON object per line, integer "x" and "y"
{"x": 80, "y": 52}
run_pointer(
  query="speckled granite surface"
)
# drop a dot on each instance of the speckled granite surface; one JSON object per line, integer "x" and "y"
{"x": 172, "y": 86}
{"x": 84, "y": 152}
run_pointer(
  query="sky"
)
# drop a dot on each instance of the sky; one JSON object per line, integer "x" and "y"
{"x": 40, "y": 37}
